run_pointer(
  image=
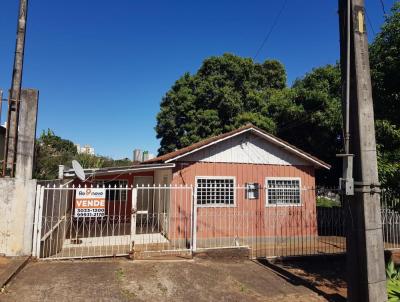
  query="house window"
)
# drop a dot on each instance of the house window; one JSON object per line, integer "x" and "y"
{"x": 218, "y": 191}
{"x": 283, "y": 191}
{"x": 116, "y": 190}
{"x": 252, "y": 190}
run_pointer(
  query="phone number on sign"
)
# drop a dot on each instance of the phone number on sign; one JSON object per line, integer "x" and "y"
{"x": 89, "y": 213}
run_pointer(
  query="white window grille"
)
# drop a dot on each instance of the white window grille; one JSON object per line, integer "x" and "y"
{"x": 116, "y": 190}
{"x": 283, "y": 191}
{"x": 215, "y": 191}
{"x": 252, "y": 190}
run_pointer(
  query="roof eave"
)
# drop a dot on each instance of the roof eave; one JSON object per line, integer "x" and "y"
{"x": 112, "y": 171}
{"x": 316, "y": 163}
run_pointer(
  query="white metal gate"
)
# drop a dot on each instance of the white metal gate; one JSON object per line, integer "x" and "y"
{"x": 163, "y": 220}
{"x": 140, "y": 220}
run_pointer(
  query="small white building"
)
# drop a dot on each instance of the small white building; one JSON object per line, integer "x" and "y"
{"x": 86, "y": 149}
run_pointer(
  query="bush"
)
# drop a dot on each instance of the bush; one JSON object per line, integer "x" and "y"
{"x": 327, "y": 202}
{"x": 393, "y": 282}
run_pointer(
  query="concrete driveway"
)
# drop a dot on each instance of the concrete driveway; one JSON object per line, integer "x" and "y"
{"x": 124, "y": 280}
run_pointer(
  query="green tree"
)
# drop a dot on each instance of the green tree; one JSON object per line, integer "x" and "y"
{"x": 316, "y": 126}
{"x": 385, "y": 68}
{"x": 51, "y": 151}
{"x": 230, "y": 91}
{"x": 385, "y": 71}
{"x": 226, "y": 92}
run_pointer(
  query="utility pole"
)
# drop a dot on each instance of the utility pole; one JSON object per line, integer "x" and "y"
{"x": 365, "y": 255}
{"x": 10, "y": 148}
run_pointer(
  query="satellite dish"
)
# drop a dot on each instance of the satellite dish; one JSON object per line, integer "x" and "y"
{"x": 78, "y": 170}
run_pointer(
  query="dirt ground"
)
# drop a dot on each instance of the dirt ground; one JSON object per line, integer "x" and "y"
{"x": 326, "y": 274}
{"x": 124, "y": 280}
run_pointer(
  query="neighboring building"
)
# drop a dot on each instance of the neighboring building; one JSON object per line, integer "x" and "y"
{"x": 147, "y": 156}
{"x": 243, "y": 171}
{"x": 139, "y": 156}
{"x": 86, "y": 149}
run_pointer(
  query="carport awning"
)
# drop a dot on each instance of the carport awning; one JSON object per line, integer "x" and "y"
{"x": 120, "y": 170}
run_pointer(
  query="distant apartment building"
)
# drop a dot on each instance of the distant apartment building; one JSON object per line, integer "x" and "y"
{"x": 139, "y": 156}
{"x": 86, "y": 149}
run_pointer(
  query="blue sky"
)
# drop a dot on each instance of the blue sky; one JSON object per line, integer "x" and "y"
{"x": 102, "y": 67}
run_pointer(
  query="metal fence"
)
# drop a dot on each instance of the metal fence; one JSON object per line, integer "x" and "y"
{"x": 100, "y": 221}
{"x": 280, "y": 219}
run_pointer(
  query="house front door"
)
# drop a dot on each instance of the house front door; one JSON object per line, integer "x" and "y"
{"x": 143, "y": 207}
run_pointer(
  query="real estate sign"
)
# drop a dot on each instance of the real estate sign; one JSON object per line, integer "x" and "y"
{"x": 90, "y": 202}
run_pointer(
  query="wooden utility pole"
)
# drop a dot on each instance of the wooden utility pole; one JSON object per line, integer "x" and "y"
{"x": 365, "y": 254}
{"x": 10, "y": 149}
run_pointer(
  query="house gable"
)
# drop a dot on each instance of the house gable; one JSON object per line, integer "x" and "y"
{"x": 245, "y": 148}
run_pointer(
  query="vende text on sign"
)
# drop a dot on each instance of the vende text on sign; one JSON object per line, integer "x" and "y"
{"x": 90, "y": 202}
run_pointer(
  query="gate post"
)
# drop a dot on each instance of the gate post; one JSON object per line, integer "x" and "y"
{"x": 133, "y": 211}
{"x": 39, "y": 222}
{"x": 36, "y": 220}
{"x": 194, "y": 221}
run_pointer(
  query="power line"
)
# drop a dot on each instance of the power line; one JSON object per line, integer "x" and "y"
{"x": 271, "y": 29}
{"x": 370, "y": 23}
{"x": 383, "y": 7}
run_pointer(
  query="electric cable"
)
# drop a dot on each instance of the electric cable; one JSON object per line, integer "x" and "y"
{"x": 370, "y": 23}
{"x": 271, "y": 29}
{"x": 383, "y": 7}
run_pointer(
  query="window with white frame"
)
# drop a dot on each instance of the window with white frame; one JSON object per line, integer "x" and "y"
{"x": 218, "y": 191}
{"x": 283, "y": 191}
{"x": 116, "y": 190}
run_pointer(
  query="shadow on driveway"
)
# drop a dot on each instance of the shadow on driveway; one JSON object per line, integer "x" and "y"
{"x": 324, "y": 275}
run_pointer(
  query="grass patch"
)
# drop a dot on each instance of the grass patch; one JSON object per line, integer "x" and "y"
{"x": 327, "y": 202}
{"x": 119, "y": 273}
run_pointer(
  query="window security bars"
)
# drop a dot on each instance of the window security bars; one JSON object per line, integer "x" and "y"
{"x": 215, "y": 191}
{"x": 283, "y": 191}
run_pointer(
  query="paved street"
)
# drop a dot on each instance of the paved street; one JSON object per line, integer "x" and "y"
{"x": 123, "y": 280}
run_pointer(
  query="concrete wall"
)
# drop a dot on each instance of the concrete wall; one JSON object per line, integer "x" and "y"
{"x": 26, "y": 133}
{"x": 17, "y": 195}
{"x": 17, "y": 207}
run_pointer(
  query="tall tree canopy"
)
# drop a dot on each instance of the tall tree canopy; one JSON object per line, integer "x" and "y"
{"x": 385, "y": 72}
{"x": 317, "y": 128}
{"x": 225, "y": 93}
{"x": 230, "y": 91}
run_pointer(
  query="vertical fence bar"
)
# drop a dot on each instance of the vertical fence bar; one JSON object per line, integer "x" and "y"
{"x": 40, "y": 221}
{"x": 37, "y": 218}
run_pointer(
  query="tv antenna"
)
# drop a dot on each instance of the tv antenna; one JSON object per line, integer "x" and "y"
{"x": 76, "y": 166}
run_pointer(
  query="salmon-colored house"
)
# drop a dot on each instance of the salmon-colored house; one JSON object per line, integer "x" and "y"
{"x": 235, "y": 188}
